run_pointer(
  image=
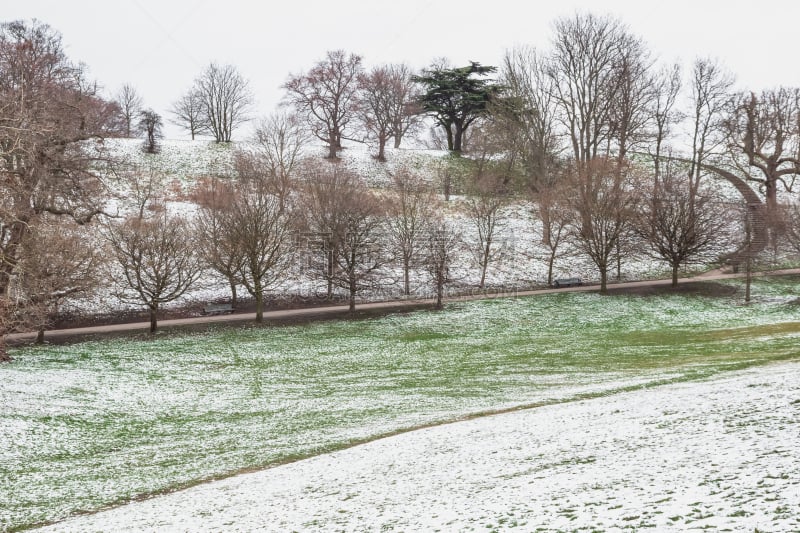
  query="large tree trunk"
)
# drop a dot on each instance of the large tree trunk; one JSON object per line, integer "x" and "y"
{"x": 675, "y": 275}
{"x": 439, "y": 292}
{"x": 604, "y": 280}
{"x": 381, "y": 149}
{"x": 153, "y": 318}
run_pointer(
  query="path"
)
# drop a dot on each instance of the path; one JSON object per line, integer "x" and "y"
{"x": 370, "y": 306}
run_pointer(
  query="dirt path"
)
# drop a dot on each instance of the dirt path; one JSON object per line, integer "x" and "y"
{"x": 313, "y": 313}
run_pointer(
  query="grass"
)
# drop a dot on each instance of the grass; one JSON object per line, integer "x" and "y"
{"x": 98, "y": 423}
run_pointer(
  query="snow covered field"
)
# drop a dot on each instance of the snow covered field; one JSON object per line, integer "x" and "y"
{"x": 719, "y": 454}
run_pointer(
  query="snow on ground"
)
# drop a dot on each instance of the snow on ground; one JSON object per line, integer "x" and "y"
{"x": 715, "y": 454}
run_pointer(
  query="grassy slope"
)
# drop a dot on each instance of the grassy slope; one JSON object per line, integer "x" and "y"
{"x": 97, "y": 423}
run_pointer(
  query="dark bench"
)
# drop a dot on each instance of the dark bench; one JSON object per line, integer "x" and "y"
{"x": 567, "y": 282}
{"x": 217, "y": 309}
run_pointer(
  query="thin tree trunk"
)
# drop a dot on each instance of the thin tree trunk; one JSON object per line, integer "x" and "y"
{"x": 439, "y": 292}
{"x": 259, "y": 304}
{"x": 406, "y": 276}
{"x": 675, "y": 275}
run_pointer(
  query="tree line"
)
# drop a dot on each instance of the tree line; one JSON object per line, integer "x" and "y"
{"x": 616, "y": 153}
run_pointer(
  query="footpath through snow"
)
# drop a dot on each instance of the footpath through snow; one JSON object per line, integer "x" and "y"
{"x": 721, "y": 454}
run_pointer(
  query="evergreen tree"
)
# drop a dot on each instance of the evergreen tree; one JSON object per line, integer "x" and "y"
{"x": 456, "y": 97}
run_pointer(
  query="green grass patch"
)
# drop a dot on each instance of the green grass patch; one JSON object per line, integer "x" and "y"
{"x": 98, "y": 423}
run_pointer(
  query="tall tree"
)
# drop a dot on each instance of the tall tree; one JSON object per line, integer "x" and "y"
{"x": 410, "y": 211}
{"x": 484, "y": 208}
{"x": 667, "y": 86}
{"x": 327, "y": 96}
{"x": 278, "y": 143}
{"x": 260, "y": 223}
{"x": 130, "y": 106}
{"x": 345, "y": 221}
{"x": 47, "y": 113}
{"x": 188, "y": 113}
{"x": 212, "y": 224}
{"x": 456, "y": 98}
{"x": 226, "y": 100}
{"x": 764, "y": 131}
{"x": 603, "y": 203}
{"x": 593, "y": 59}
{"x": 710, "y": 85}
{"x": 388, "y": 104}
{"x": 440, "y": 254}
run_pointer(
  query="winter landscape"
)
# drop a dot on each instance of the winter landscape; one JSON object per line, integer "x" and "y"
{"x": 657, "y": 391}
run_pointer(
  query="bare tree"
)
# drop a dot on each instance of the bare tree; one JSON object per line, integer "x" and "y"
{"x": 327, "y": 96}
{"x": 389, "y": 107}
{"x": 130, "y": 106}
{"x": 603, "y": 203}
{"x": 157, "y": 260}
{"x": 218, "y": 248}
{"x": 150, "y": 124}
{"x": 279, "y": 141}
{"x": 48, "y": 112}
{"x": 61, "y": 262}
{"x": 667, "y": 86}
{"x": 530, "y": 119}
{"x": 410, "y": 211}
{"x": 485, "y": 200}
{"x": 443, "y": 243}
{"x": 555, "y": 214}
{"x": 189, "y": 113}
{"x": 679, "y": 225}
{"x": 226, "y": 100}
{"x": 594, "y": 60}
{"x": 765, "y": 130}
{"x": 345, "y": 220}
{"x": 711, "y": 85}
{"x": 260, "y": 224}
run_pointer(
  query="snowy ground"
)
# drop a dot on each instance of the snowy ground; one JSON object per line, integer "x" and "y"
{"x": 715, "y": 454}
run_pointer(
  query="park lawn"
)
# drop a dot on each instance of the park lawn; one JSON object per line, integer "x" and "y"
{"x": 99, "y": 423}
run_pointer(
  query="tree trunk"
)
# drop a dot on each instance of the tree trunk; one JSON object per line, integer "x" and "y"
{"x": 485, "y": 263}
{"x": 397, "y": 140}
{"x": 604, "y": 280}
{"x": 675, "y": 275}
{"x": 259, "y": 304}
{"x": 4, "y": 357}
{"x": 381, "y": 150}
{"x": 234, "y": 296}
{"x": 352, "y": 307}
{"x": 406, "y": 276}
{"x": 439, "y": 292}
{"x": 550, "y": 269}
{"x": 40, "y": 336}
{"x": 153, "y": 318}
{"x": 457, "y": 138}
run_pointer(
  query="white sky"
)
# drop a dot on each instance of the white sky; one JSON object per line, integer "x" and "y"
{"x": 161, "y": 46}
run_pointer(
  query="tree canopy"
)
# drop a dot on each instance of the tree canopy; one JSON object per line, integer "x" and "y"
{"x": 456, "y": 97}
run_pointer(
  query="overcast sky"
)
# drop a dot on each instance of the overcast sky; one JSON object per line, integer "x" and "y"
{"x": 160, "y": 45}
